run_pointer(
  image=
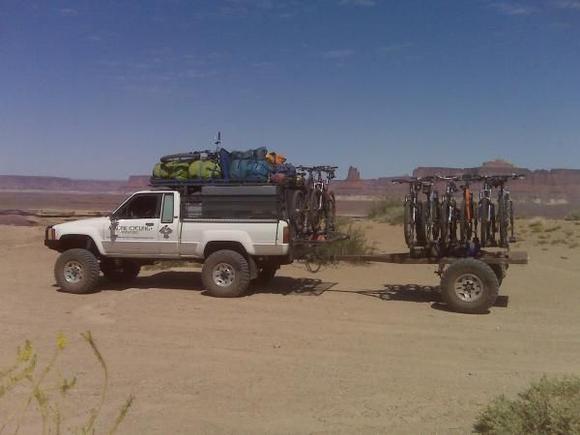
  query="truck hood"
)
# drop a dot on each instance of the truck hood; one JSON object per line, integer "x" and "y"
{"x": 82, "y": 226}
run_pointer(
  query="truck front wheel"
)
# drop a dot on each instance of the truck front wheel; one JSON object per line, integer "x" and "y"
{"x": 77, "y": 271}
{"x": 120, "y": 270}
{"x": 226, "y": 274}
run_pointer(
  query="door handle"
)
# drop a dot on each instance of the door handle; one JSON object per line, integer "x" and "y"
{"x": 149, "y": 224}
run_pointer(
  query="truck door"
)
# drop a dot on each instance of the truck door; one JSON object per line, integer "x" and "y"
{"x": 135, "y": 226}
{"x": 168, "y": 234}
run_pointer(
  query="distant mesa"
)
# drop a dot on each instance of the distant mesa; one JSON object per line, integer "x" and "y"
{"x": 498, "y": 163}
{"x": 353, "y": 174}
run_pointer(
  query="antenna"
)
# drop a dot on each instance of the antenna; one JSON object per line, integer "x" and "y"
{"x": 218, "y": 142}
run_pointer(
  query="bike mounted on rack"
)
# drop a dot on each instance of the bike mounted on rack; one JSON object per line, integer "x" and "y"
{"x": 436, "y": 226}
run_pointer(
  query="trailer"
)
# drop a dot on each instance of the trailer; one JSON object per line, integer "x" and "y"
{"x": 468, "y": 284}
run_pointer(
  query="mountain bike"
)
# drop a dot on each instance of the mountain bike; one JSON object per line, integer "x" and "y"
{"x": 449, "y": 213}
{"x": 413, "y": 223}
{"x": 486, "y": 212}
{"x": 467, "y": 216}
{"x": 431, "y": 210}
{"x": 505, "y": 208}
{"x": 316, "y": 204}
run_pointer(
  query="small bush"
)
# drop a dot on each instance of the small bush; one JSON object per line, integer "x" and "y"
{"x": 552, "y": 229}
{"x": 573, "y": 216}
{"x": 550, "y": 406}
{"x": 558, "y": 242}
{"x": 387, "y": 210}
{"x": 356, "y": 243}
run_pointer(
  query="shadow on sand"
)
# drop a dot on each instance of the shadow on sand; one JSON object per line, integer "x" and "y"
{"x": 284, "y": 285}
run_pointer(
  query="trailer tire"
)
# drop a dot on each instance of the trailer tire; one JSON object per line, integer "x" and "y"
{"x": 126, "y": 271}
{"x": 469, "y": 286}
{"x": 226, "y": 274}
{"x": 77, "y": 271}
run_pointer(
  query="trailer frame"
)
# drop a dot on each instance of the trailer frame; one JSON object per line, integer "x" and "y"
{"x": 469, "y": 284}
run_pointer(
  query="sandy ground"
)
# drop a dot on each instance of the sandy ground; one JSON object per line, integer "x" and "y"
{"x": 352, "y": 349}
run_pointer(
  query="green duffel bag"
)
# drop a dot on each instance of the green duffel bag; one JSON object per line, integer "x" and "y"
{"x": 178, "y": 170}
{"x": 204, "y": 169}
{"x": 160, "y": 170}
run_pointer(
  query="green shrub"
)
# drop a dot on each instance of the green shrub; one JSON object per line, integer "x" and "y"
{"x": 573, "y": 216}
{"x": 355, "y": 243}
{"x": 387, "y": 210}
{"x": 550, "y": 406}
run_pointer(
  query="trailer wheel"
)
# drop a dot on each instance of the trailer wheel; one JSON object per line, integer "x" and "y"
{"x": 226, "y": 274}
{"x": 469, "y": 286}
{"x": 77, "y": 271}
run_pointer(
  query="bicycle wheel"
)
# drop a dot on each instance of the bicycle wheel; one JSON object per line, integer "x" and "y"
{"x": 296, "y": 210}
{"x": 484, "y": 222}
{"x": 314, "y": 211}
{"x": 444, "y": 222}
{"x": 435, "y": 220}
{"x": 409, "y": 223}
{"x": 426, "y": 231}
{"x": 420, "y": 227}
{"x": 503, "y": 222}
{"x": 512, "y": 225}
{"x": 465, "y": 224}
{"x": 329, "y": 212}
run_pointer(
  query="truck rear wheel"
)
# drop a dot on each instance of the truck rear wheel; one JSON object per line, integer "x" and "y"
{"x": 77, "y": 271}
{"x": 120, "y": 270}
{"x": 226, "y": 274}
{"x": 469, "y": 286}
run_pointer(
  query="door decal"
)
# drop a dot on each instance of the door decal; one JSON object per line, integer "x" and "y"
{"x": 166, "y": 231}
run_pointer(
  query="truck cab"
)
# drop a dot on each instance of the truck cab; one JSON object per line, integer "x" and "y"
{"x": 239, "y": 233}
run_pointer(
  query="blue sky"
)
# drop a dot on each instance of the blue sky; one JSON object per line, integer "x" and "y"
{"x": 101, "y": 89}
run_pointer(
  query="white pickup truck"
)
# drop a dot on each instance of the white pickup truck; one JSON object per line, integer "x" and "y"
{"x": 237, "y": 232}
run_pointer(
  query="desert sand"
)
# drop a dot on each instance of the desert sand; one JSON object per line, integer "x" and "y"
{"x": 352, "y": 349}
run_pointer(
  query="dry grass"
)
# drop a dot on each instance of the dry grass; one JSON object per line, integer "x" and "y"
{"x": 46, "y": 390}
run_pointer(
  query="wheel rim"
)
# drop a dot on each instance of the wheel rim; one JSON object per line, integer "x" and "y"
{"x": 73, "y": 272}
{"x": 468, "y": 287}
{"x": 224, "y": 274}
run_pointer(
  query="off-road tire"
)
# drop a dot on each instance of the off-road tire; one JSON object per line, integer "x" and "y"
{"x": 465, "y": 271}
{"x": 127, "y": 271}
{"x": 265, "y": 275}
{"x": 87, "y": 267}
{"x": 227, "y": 260}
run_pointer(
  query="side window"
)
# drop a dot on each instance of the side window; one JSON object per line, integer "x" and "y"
{"x": 167, "y": 213}
{"x": 146, "y": 206}
{"x": 191, "y": 207}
